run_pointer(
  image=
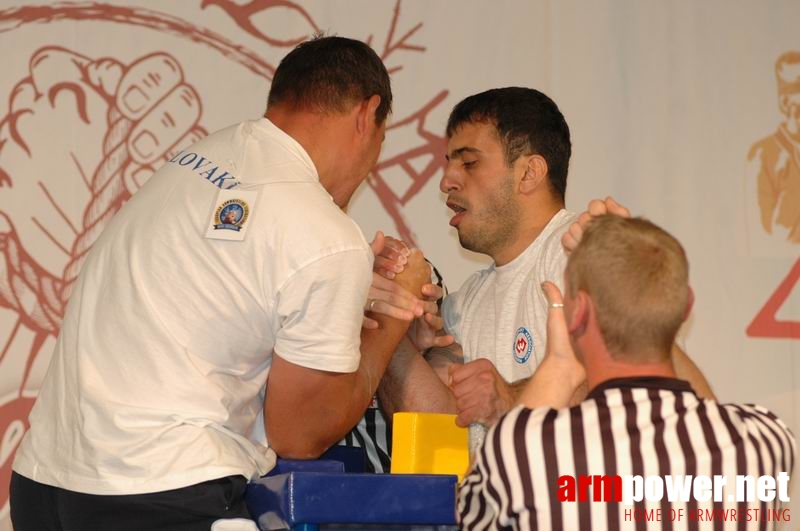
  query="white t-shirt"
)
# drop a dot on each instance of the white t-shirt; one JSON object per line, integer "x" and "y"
{"x": 159, "y": 370}
{"x": 500, "y": 313}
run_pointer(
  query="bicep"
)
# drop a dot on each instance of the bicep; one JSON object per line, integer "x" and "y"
{"x": 319, "y": 312}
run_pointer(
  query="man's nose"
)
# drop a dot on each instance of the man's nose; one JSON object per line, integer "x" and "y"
{"x": 451, "y": 181}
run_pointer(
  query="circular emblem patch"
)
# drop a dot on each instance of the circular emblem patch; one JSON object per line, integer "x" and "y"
{"x": 231, "y": 215}
{"x": 523, "y": 345}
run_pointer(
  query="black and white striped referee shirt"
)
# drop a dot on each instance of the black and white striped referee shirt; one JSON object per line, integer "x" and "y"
{"x": 631, "y": 427}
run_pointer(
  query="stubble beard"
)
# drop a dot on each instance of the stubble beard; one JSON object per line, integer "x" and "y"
{"x": 497, "y": 226}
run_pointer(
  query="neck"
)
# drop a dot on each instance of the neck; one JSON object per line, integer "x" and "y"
{"x": 604, "y": 367}
{"x": 535, "y": 217}
{"x": 318, "y": 134}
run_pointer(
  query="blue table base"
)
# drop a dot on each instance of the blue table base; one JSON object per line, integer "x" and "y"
{"x": 306, "y": 495}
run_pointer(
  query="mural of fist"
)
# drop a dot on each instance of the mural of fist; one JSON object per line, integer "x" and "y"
{"x": 79, "y": 138}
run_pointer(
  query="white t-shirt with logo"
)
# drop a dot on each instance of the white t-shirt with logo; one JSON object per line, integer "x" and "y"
{"x": 159, "y": 371}
{"x": 500, "y": 313}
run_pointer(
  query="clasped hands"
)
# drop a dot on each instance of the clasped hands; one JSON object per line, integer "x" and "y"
{"x": 393, "y": 299}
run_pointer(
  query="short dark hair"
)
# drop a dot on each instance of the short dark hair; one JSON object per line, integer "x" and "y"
{"x": 527, "y": 122}
{"x": 330, "y": 74}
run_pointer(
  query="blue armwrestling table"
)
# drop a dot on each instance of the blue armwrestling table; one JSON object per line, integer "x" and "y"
{"x": 309, "y": 495}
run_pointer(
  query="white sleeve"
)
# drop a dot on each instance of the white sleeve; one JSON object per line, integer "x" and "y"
{"x": 451, "y": 314}
{"x": 320, "y": 310}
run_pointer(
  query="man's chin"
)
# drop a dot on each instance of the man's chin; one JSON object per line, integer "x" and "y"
{"x": 468, "y": 243}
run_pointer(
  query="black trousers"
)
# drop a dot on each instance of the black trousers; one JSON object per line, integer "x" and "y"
{"x": 38, "y": 507}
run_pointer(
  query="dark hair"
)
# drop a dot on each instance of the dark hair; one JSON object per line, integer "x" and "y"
{"x": 527, "y": 122}
{"x": 330, "y": 74}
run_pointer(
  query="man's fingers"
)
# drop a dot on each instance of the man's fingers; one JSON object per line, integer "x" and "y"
{"x": 389, "y": 298}
{"x": 434, "y": 320}
{"x": 576, "y": 230}
{"x": 597, "y": 207}
{"x": 568, "y": 242}
{"x": 389, "y": 264}
{"x": 553, "y": 294}
{"x": 398, "y": 245}
{"x": 468, "y": 415}
{"x": 377, "y": 243}
{"x": 386, "y": 290}
{"x": 443, "y": 341}
{"x": 432, "y": 291}
{"x": 459, "y": 373}
{"x": 370, "y": 324}
{"x": 463, "y": 420}
{"x": 391, "y": 257}
{"x": 430, "y": 307}
{"x": 615, "y": 208}
{"x": 378, "y": 306}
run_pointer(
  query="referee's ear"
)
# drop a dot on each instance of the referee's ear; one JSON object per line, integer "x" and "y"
{"x": 578, "y": 316}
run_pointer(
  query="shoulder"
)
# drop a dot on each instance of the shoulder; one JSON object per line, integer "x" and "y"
{"x": 456, "y": 300}
{"x": 557, "y": 227}
{"x": 307, "y": 213}
{"x": 752, "y": 417}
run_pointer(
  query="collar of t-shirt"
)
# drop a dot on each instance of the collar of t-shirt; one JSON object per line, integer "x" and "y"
{"x": 505, "y": 273}
{"x": 273, "y": 156}
{"x": 646, "y": 382}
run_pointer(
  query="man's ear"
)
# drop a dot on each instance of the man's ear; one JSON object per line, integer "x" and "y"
{"x": 578, "y": 317}
{"x": 535, "y": 168}
{"x": 689, "y": 303}
{"x": 366, "y": 113}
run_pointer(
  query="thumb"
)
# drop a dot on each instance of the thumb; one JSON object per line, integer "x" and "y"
{"x": 377, "y": 243}
{"x": 557, "y": 332}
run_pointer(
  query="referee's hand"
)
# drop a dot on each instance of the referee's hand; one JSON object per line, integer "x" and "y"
{"x": 560, "y": 373}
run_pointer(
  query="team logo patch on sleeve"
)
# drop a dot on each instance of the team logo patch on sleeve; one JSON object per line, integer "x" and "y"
{"x": 232, "y": 209}
{"x": 523, "y": 345}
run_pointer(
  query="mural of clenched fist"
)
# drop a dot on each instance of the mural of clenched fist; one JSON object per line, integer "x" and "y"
{"x": 87, "y": 122}
{"x": 58, "y": 194}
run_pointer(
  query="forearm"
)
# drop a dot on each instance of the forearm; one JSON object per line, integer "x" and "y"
{"x": 412, "y": 384}
{"x": 308, "y": 410}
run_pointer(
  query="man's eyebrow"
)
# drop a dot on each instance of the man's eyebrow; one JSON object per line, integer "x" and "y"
{"x": 456, "y": 153}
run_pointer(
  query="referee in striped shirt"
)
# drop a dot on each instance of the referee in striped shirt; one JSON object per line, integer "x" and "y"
{"x": 609, "y": 462}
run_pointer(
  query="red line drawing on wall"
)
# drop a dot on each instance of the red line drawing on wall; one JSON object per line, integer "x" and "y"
{"x": 777, "y": 193}
{"x": 765, "y": 324}
{"x": 243, "y": 15}
{"x": 137, "y": 115}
